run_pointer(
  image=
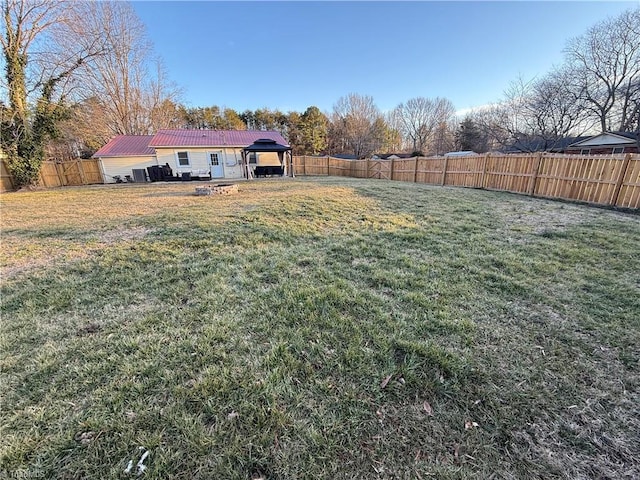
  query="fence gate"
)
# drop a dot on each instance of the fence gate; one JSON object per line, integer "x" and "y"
{"x": 380, "y": 169}
{"x": 71, "y": 173}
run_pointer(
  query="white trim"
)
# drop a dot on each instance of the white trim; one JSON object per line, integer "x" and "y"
{"x": 593, "y": 141}
{"x": 221, "y": 162}
{"x": 188, "y": 165}
{"x": 180, "y": 146}
{"x": 124, "y": 155}
{"x": 230, "y": 160}
{"x": 104, "y": 177}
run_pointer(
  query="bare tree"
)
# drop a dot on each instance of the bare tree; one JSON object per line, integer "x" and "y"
{"x": 83, "y": 131}
{"x": 552, "y": 110}
{"x": 130, "y": 84}
{"x": 495, "y": 125}
{"x": 535, "y": 115}
{"x": 356, "y": 125}
{"x": 38, "y": 76}
{"x": 605, "y": 66}
{"x": 443, "y": 138}
{"x": 419, "y": 118}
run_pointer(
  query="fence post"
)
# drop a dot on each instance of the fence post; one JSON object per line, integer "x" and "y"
{"x": 304, "y": 165}
{"x": 83, "y": 177}
{"x": 484, "y": 169}
{"x": 391, "y": 176}
{"x": 444, "y": 170}
{"x": 415, "y": 170}
{"x": 623, "y": 173}
{"x": 12, "y": 185}
{"x": 62, "y": 178}
{"x": 534, "y": 176}
{"x": 41, "y": 180}
{"x": 328, "y": 165}
{"x": 367, "y": 168}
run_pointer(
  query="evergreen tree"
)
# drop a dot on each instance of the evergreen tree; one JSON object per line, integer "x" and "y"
{"x": 314, "y": 127}
{"x": 469, "y": 137}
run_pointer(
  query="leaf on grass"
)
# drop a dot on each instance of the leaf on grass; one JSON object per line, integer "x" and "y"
{"x": 85, "y": 437}
{"x": 233, "y": 415}
{"x": 427, "y": 408}
{"x": 468, "y": 425}
{"x": 385, "y": 381}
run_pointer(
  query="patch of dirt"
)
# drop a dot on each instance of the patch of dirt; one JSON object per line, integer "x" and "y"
{"x": 89, "y": 329}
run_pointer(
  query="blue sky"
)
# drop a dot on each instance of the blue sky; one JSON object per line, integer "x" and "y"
{"x": 291, "y": 55}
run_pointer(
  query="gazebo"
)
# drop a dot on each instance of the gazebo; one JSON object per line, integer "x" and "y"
{"x": 266, "y": 145}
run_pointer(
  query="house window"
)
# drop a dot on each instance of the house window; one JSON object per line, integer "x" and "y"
{"x": 618, "y": 150}
{"x": 231, "y": 160}
{"x": 183, "y": 159}
{"x": 253, "y": 158}
{"x": 585, "y": 151}
{"x": 215, "y": 160}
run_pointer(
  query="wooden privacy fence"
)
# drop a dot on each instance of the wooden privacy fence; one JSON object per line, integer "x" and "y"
{"x": 6, "y": 182}
{"x": 59, "y": 174}
{"x": 603, "y": 180}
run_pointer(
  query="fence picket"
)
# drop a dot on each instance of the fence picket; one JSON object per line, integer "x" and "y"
{"x": 592, "y": 179}
{"x": 623, "y": 172}
{"x": 58, "y": 174}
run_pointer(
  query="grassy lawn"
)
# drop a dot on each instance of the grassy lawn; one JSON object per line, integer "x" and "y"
{"x": 330, "y": 328}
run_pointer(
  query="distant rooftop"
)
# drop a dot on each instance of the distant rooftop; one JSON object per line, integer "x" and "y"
{"x": 384, "y": 156}
{"x": 462, "y": 153}
{"x": 126, "y": 145}
{"x": 212, "y": 138}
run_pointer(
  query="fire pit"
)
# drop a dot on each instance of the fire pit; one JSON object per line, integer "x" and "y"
{"x": 220, "y": 189}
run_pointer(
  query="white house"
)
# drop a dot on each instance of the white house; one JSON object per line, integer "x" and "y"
{"x": 123, "y": 154}
{"x": 207, "y": 154}
{"x": 605, "y": 144}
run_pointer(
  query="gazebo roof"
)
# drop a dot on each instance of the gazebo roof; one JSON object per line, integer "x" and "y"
{"x": 266, "y": 145}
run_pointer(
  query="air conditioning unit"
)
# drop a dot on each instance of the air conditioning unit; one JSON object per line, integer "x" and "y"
{"x": 139, "y": 175}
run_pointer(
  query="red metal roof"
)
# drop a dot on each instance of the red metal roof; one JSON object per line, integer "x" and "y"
{"x": 212, "y": 138}
{"x": 126, "y": 145}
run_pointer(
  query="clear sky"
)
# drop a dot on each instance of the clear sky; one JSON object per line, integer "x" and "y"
{"x": 291, "y": 55}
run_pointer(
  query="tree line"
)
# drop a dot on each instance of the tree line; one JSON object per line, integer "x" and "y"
{"x": 78, "y": 73}
{"x": 595, "y": 89}
{"x": 355, "y": 126}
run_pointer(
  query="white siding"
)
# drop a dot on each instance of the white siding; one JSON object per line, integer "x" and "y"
{"x": 124, "y": 165}
{"x": 199, "y": 160}
{"x": 605, "y": 139}
{"x": 232, "y": 162}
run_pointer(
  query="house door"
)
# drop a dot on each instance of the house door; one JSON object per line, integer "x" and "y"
{"x": 215, "y": 163}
